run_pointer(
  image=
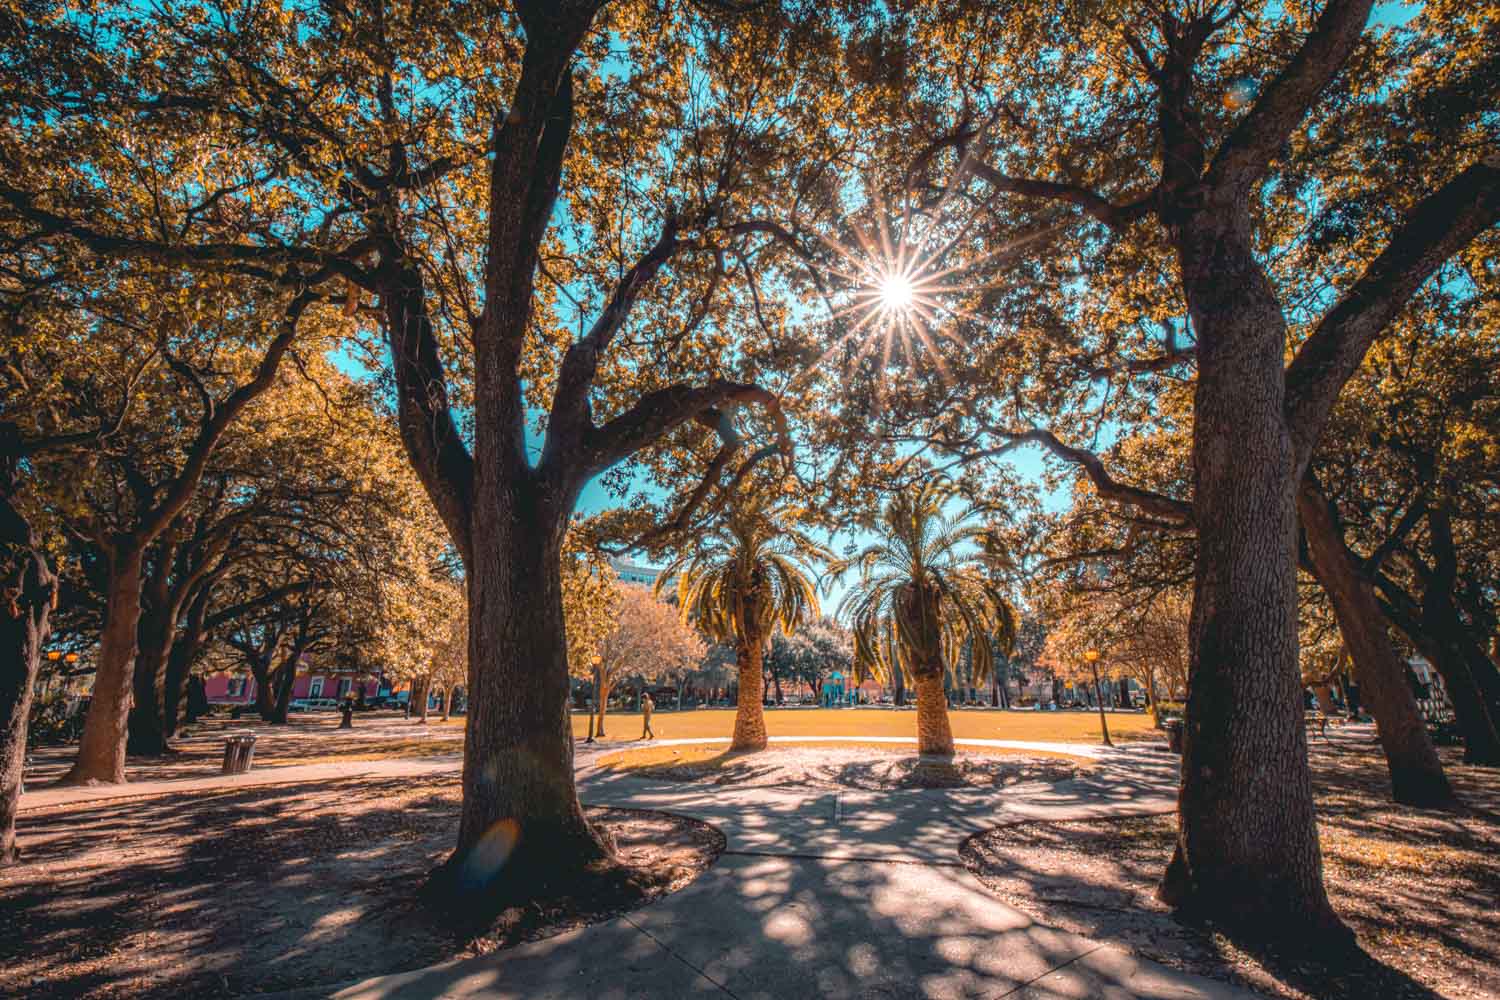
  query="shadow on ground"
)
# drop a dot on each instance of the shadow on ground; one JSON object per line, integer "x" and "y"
{"x": 247, "y": 891}
{"x": 1418, "y": 887}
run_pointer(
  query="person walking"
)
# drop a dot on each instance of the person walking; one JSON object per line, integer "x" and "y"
{"x": 647, "y": 707}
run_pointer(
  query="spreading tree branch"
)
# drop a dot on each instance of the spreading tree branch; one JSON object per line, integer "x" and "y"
{"x": 1436, "y": 228}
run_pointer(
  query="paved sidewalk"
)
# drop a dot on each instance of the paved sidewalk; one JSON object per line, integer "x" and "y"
{"x": 48, "y": 797}
{"x": 832, "y": 894}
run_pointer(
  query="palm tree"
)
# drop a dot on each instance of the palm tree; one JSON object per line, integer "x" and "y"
{"x": 921, "y": 594}
{"x": 742, "y": 581}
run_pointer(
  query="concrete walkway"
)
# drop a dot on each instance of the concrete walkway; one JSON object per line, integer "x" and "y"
{"x": 833, "y": 894}
{"x": 51, "y": 796}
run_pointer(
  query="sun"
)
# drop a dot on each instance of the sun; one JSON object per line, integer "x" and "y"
{"x": 896, "y": 292}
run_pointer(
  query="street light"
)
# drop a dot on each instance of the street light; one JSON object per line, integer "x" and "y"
{"x": 1092, "y": 656}
{"x": 595, "y": 660}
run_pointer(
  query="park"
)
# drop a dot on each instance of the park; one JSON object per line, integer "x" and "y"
{"x": 763, "y": 498}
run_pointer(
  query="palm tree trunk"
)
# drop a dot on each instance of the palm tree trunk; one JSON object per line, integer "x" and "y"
{"x": 750, "y": 714}
{"x": 934, "y": 733}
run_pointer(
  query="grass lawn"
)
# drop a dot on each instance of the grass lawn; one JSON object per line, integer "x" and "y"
{"x": 1059, "y": 727}
{"x": 711, "y": 759}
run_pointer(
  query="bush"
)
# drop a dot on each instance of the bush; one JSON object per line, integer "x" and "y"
{"x": 51, "y": 724}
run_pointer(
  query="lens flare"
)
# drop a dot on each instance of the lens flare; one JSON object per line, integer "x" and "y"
{"x": 488, "y": 857}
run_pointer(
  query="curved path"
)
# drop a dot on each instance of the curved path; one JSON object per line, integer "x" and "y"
{"x": 833, "y": 894}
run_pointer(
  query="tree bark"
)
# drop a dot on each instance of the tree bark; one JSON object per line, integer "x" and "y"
{"x": 185, "y": 650}
{"x": 934, "y": 732}
{"x": 1247, "y": 847}
{"x": 101, "y": 752}
{"x": 146, "y": 731}
{"x": 1417, "y": 777}
{"x": 1441, "y": 618}
{"x": 521, "y": 824}
{"x": 29, "y": 590}
{"x": 750, "y": 712}
{"x": 284, "y": 680}
{"x": 265, "y": 689}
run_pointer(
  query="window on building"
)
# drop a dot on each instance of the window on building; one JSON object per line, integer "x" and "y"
{"x": 316, "y": 690}
{"x": 345, "y": 685}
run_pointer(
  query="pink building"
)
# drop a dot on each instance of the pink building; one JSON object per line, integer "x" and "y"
{"x": 239, "y": 688}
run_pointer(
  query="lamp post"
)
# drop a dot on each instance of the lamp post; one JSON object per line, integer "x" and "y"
{"x": 1092, "y": 656}
{"x": 596, "y": 660}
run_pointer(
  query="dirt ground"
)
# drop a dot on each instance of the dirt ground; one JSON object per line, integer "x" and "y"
{"x": 874, "y": 767}
{"x": 276, "y": 887}
{"x": 1420, "y": 888}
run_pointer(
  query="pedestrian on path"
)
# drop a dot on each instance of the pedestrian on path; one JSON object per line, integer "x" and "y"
{"x": 647, "y": 707}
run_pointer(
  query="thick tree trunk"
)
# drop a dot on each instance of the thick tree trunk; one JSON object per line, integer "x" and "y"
{"x": 934, "y": 732}
{"x": 521, "y": 826}
{"x": 284, "y": 680}
{"x": 750, "y": 712}
{"x": 29, "y": 588}
{"x": 1417, "y": 777}
{"x": 101, "y": 753}
{"x": 1247, "y": 848}
{"x": 185, "y": 650}
{"x": 265, "y": 689}
{"x": 899, "y": 683}
{"x": 146, "y": 724}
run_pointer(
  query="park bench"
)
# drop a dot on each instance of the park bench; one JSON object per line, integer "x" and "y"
{"x": 239, "y": 752}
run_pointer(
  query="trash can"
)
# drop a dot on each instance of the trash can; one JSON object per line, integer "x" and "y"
{"x": 1174, "y": 734}
{"x": 239, "y": 753}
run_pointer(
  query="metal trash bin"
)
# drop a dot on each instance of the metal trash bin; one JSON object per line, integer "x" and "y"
{"x": 1174, "y": 734}
{"x": 239, "y": 753}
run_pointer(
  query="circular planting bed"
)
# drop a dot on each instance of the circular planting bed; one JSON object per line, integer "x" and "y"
{"x": 874, "y": 767}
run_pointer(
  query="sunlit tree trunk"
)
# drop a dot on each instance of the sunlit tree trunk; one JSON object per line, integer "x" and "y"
{"x": 101, "y": 752}
{"x": 750, "y": 713}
